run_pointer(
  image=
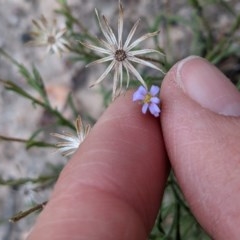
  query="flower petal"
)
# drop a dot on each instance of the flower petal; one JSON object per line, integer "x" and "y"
{"x": 110, "y": 31}
{"x": 120, "y": 70}
{"x": 145, "y": 108}
{"x": 105, "y": 73}
{"x": 103, "y": 28}
{"x": 66, "y": 136}
{"x": 142, "y": 90}
{"x": 60, "y": 33}
{"x": 115, "y": 81}
{"x": 118, "y": 78}
{"x": 106, "y": 44}
{"x": 137, "y": 97}
{"x": 72, "y": 142}
{"x": 134, "y": 71}
{"x": 128, "y": 78}
{"x": 142, "y": 38}
{"x": 95, "y": 48}
{"x": 146, "y": 63}
{"x": 155, "y": 100}
{"x": 139, "y": 94}
{"x": 120, "y": 25}
{"x": 154, "y": 90}
{"x": 131, "y": 33}
{"x": 101, "y": 60}
{"x": 143, "y": 51}
{"x": 154, "y": 109}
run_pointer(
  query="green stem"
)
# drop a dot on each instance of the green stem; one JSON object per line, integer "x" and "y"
{"x": 62, "y": 120}
{"x": 35, "y": 143}
{"x": 21, "y": 181}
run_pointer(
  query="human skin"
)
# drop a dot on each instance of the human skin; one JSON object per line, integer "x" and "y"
{"x": 113, "y": 185}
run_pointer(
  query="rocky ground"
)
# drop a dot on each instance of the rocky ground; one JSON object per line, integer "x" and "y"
{"x": 19, "y": 118}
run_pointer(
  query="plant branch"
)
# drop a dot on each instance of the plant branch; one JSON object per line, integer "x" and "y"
{"x": 23, "y": 214}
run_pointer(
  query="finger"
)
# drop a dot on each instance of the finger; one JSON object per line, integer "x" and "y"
{"x": 113, "y": 185}
{"x": 201, "y": 137}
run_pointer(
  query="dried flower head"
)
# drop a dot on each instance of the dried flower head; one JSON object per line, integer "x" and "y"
{"x": 121, "y": 54}
{"x": 48, "y": 35}
{"x": 148, "y": 99}
{"x": 72, "y": 142}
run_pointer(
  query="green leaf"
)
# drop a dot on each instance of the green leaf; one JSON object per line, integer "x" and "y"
{"x": 40, "y": 87}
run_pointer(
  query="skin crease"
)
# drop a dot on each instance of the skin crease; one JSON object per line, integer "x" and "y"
{"x": 113, "y": 185}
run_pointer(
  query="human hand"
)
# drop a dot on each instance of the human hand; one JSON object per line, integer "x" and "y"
{"x": 113, "y": 185}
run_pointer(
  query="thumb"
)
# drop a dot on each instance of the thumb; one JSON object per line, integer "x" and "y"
{"x": 200, "y": 119}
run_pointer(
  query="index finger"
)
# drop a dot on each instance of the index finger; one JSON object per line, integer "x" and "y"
{"x": 113, "y": 185}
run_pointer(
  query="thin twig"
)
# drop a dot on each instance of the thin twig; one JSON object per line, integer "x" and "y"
{"x": 4, "y": 138}
{"x": 23, "y": 214}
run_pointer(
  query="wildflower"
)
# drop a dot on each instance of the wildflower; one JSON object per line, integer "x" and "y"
{"x": 121, "y": 55}
{"x": 72, "y": 141}
{"x": 149, "y": 99}
{"x": 46, "y": 34}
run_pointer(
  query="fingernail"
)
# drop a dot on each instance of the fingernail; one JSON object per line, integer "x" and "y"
{"x": 206, "y": 85}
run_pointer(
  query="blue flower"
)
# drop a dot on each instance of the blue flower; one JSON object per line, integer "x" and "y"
{"x": 149, "y": 99}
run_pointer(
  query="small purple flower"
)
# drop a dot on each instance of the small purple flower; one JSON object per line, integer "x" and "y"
{"x": 149, "y": 99}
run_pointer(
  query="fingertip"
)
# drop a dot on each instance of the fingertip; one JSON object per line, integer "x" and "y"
{"x": 206, "y": 85}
